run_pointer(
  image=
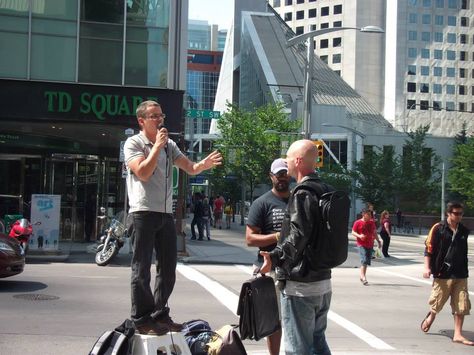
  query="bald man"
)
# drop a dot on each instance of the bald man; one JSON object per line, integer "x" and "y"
{"x": 305, "y": 292}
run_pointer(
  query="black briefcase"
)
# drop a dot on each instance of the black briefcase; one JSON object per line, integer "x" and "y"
{"x": 258, "y": 308}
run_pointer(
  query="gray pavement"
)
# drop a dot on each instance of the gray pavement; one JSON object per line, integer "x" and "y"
{"x": 227, "y": 246}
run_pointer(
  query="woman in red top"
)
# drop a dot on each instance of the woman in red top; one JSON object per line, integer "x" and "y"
{"x": 365, "y": 231}
{"x": 385, "y": 232}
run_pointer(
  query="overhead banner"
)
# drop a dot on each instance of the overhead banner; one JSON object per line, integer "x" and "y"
{"x": 45, "y": 216}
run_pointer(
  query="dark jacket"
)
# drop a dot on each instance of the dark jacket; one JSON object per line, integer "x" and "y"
{"x": 446, "y": 262}
{"x": 299, "y": 227}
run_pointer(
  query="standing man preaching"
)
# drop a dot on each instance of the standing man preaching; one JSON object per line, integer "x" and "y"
{"x": 150, "y": 156}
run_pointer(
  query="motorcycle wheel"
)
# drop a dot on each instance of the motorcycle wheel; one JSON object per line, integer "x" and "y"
{"x": 103, "y": 258}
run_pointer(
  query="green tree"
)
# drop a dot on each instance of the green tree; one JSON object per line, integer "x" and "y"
{"x": 461, "y": 174}
{"x": 419, "y": 187}
{"x": 247, "y": 149}
{"x": 376, "y": 175}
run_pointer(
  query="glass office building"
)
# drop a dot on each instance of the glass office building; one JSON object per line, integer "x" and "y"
{"x": 71, "y": 76}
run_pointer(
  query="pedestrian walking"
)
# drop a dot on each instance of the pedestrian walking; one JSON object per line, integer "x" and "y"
{"x": 206, "y": 217}
{"x": 218, "y": 211}
{"x": 150, "y": 156}
{"x": 385, "y": 232}
{"x": 365, "y": 231}
{"x": 228, "y": 211}
{"x": 264, "y": 225}
{"x": 399, "y": 217}
{"x": 446, "y": 259}
{"x": 306, "y": 292}
{"x": 197, "y": 217}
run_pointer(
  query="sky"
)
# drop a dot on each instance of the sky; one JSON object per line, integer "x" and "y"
{"x": 216, "y": 12}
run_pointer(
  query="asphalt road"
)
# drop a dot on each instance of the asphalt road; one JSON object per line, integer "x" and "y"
{"x": 61, "y": 308}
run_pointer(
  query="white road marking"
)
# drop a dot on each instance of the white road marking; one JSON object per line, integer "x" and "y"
{"x": 428, "y": 282}
{"x": 230, "y": 300}
{"x": 222, "y": 294}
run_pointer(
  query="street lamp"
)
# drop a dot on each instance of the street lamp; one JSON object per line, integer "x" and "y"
{"x": 351, "y": 161}
{"x": 308, "y": 74}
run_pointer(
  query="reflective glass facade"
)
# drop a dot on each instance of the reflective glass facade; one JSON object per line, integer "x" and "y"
{"x": 120, "y": 42}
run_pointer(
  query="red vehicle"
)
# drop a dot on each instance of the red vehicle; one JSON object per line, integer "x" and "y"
{"x": 12, "y": 256}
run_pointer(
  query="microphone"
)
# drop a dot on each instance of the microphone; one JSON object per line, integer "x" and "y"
{"x": 166, "y": 145}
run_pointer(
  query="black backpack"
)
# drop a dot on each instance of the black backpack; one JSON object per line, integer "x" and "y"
{"x": 115, "y": 342}
{"x": 329, "y": 249}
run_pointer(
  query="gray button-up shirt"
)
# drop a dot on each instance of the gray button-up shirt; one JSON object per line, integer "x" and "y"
{"x": 156, "y": 193}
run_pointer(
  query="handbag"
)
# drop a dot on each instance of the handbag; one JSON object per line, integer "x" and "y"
{"x": 258, "y": 308}
{"x": 226, "y": 341}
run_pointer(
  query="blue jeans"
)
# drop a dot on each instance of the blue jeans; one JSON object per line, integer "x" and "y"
{"x": 304, "y": 322}
{"x": 152, "y": 230}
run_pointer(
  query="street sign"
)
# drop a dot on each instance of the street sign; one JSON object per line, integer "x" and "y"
{"x": 203, "y": 114}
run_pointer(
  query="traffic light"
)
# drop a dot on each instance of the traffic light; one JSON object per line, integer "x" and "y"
{"x": 320, "y": 157}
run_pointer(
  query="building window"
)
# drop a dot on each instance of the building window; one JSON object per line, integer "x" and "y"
{"x": 437, "y": 89}
{"x": 462, "y": 55}
{"x": 462, "y": 106}
{"x": 439, "y": 20}
{"x": 426, "y": 3}
{"x": 472, "y": 73}
{"x": 451, "y": 20}
{"x": 425, "y": 53}
{"x": 325, "y": 25}
{"x": 450, "y": 89}
{"x": 438, "y": 37}
{"x": 426, "y": 19}
{"x": 412, "y": 35}
{"x": 426, "y": 36}
{"x": 464, "y": 21}
{"x": 324, "y": 43}
{"x": 336, "y": 58}
{"x": 438, "y": 54}
{"x": 337, "y": 9}
{"x": 437, "y": 105}
{"x": 411, "y": 87}
{"x": 337, "y": 24}
{"x": 324, "y": 58}
{"x": 449, "y": 106}
{"x": 276, "y": 3}
{"x": 299, "y": 30}
{"x": 288, "y": 2}
{"x": 412, "y": 52}
{"x": 425, "y": 70}
{"x": 412, "y": 18}
{"x": 437, "y": 71}
{"x": 424, "y": 88}
{"x": 288, "y": 16}
{"x": 463, "y": 38}
{"x": 424, "y": 105}
{"x": 472, "y": 107}
{"x": 450, "y": 72}
{"x": 453, "y": 4}
{"x": 439, "y": 4}
{"x": 462, "y": 89}
{"x": 411, "y": 70}
{"x": 312, "y": 13}
{"x": 325, "y": 11}
{"x": 411, "y": 104}
{"x": 451, "y": 38}
{"x": 300, "y": 15}
{"x": 336, "y": 42}
{"x": 300, "y": 1}
{"x": 450, "y": 55}
{"x": 465, "y": 4}
{"x": 312, "y": 27}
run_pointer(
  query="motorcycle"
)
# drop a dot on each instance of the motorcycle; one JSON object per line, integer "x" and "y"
{"x": 111, "y": 242}
{"x": 21, "y": 230}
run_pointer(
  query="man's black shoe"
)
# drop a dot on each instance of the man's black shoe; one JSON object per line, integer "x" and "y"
{"x": 152, "y": 329}
{"x": 193, "y": 238}
{"x": 168, "y": 322}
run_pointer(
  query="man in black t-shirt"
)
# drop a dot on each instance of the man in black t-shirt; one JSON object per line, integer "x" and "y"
{"x": 264, "y": 224}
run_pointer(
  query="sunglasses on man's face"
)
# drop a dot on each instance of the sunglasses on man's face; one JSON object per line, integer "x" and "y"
{"x": 281, "y": 174}
{"x": 457, "y": 213}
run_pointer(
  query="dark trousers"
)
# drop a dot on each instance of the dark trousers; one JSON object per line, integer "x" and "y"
{"x": 197, "y": 221}
{"x": 152, "y": 230}
{"x": 386, "y": 242}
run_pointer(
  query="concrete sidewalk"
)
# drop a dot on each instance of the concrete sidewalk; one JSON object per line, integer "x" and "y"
{"x": 227, "y": 246}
